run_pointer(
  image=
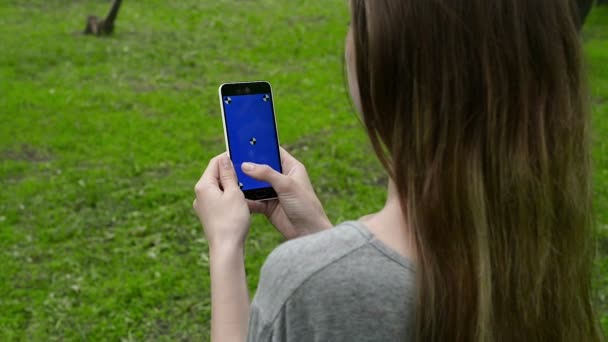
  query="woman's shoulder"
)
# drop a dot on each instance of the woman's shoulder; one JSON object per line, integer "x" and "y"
{"x": 305, "y": 255}
{"x": 343, "y": 236}
{"x": 342, "y": 269}
{"x": 343, "y": 254}
{"x": 308, "y": 254}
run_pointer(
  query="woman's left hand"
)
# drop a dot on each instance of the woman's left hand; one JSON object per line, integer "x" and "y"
{"x": 221, "y": 205}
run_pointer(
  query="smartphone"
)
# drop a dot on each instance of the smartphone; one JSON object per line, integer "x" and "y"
{"x": 250, "y": 130}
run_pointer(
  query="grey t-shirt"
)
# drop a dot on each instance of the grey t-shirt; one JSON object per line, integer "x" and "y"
{"x": 341, "y": 284}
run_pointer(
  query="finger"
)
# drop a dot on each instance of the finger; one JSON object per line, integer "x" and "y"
{"x": 284, "y": 154}
{"x": 267, "y": 174}
{"x": 257, "y": 207}
{"x": 295, "y": 169}
{"x": 211, "y": 173}
{"x": 227, "y": 175}
{"x": 208, "y": 183}
{"x": 287, "y": 160}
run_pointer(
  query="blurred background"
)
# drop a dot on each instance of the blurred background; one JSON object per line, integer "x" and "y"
{"x": 102, "y": 139}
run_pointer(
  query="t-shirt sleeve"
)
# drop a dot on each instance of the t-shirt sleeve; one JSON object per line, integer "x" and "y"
{"x": 285, "y": 270}
{"x": 260, "y": 331}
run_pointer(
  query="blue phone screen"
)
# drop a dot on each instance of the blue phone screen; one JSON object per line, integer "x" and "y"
{"x": 252, "y": 135}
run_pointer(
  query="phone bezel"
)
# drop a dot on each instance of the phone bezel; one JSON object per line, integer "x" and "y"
{"x": 249, "y": 88}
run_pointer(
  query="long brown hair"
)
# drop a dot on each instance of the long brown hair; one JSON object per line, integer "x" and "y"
{"x": 477, "y": 110}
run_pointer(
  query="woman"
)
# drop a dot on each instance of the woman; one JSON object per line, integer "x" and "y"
{"x": 477, "y": 111}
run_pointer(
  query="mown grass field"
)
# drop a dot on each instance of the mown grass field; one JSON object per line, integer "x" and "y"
{"x": 102, "y": 140}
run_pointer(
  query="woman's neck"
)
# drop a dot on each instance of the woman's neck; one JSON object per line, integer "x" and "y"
{"x": 389, "y": 225}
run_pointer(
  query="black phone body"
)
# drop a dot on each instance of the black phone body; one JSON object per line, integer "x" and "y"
{"x": 251, "y": 134}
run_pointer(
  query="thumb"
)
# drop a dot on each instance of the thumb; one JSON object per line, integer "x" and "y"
{"x": 265, "y": 173}
{"x": 228, "y": 178}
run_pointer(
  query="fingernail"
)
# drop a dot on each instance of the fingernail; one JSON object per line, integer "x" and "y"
{"x": 226, "y": 162}
{"x": 247, "y": 167}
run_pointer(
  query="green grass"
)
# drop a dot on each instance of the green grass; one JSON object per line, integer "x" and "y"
{"x": 102, "y": 140}
{"x": 596, "y": 48}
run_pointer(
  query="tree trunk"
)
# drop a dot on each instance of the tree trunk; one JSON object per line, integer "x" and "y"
{"x": 104, "y": 27}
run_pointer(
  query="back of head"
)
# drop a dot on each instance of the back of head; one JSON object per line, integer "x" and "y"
{"x": 477, "y": 110}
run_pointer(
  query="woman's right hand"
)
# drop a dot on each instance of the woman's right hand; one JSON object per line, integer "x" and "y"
{"x": 297, "y": 211}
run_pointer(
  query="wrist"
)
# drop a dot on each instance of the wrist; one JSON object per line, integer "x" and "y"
{"x": 323, "y": 223}
{"x": 224, "y": 249}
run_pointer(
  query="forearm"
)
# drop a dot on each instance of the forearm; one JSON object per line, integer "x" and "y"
{"x": 229, "y": 294}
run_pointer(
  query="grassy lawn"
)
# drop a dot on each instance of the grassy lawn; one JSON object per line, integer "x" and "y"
{"x": 102, "y": 140}
{"x": 595, "y": 37}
